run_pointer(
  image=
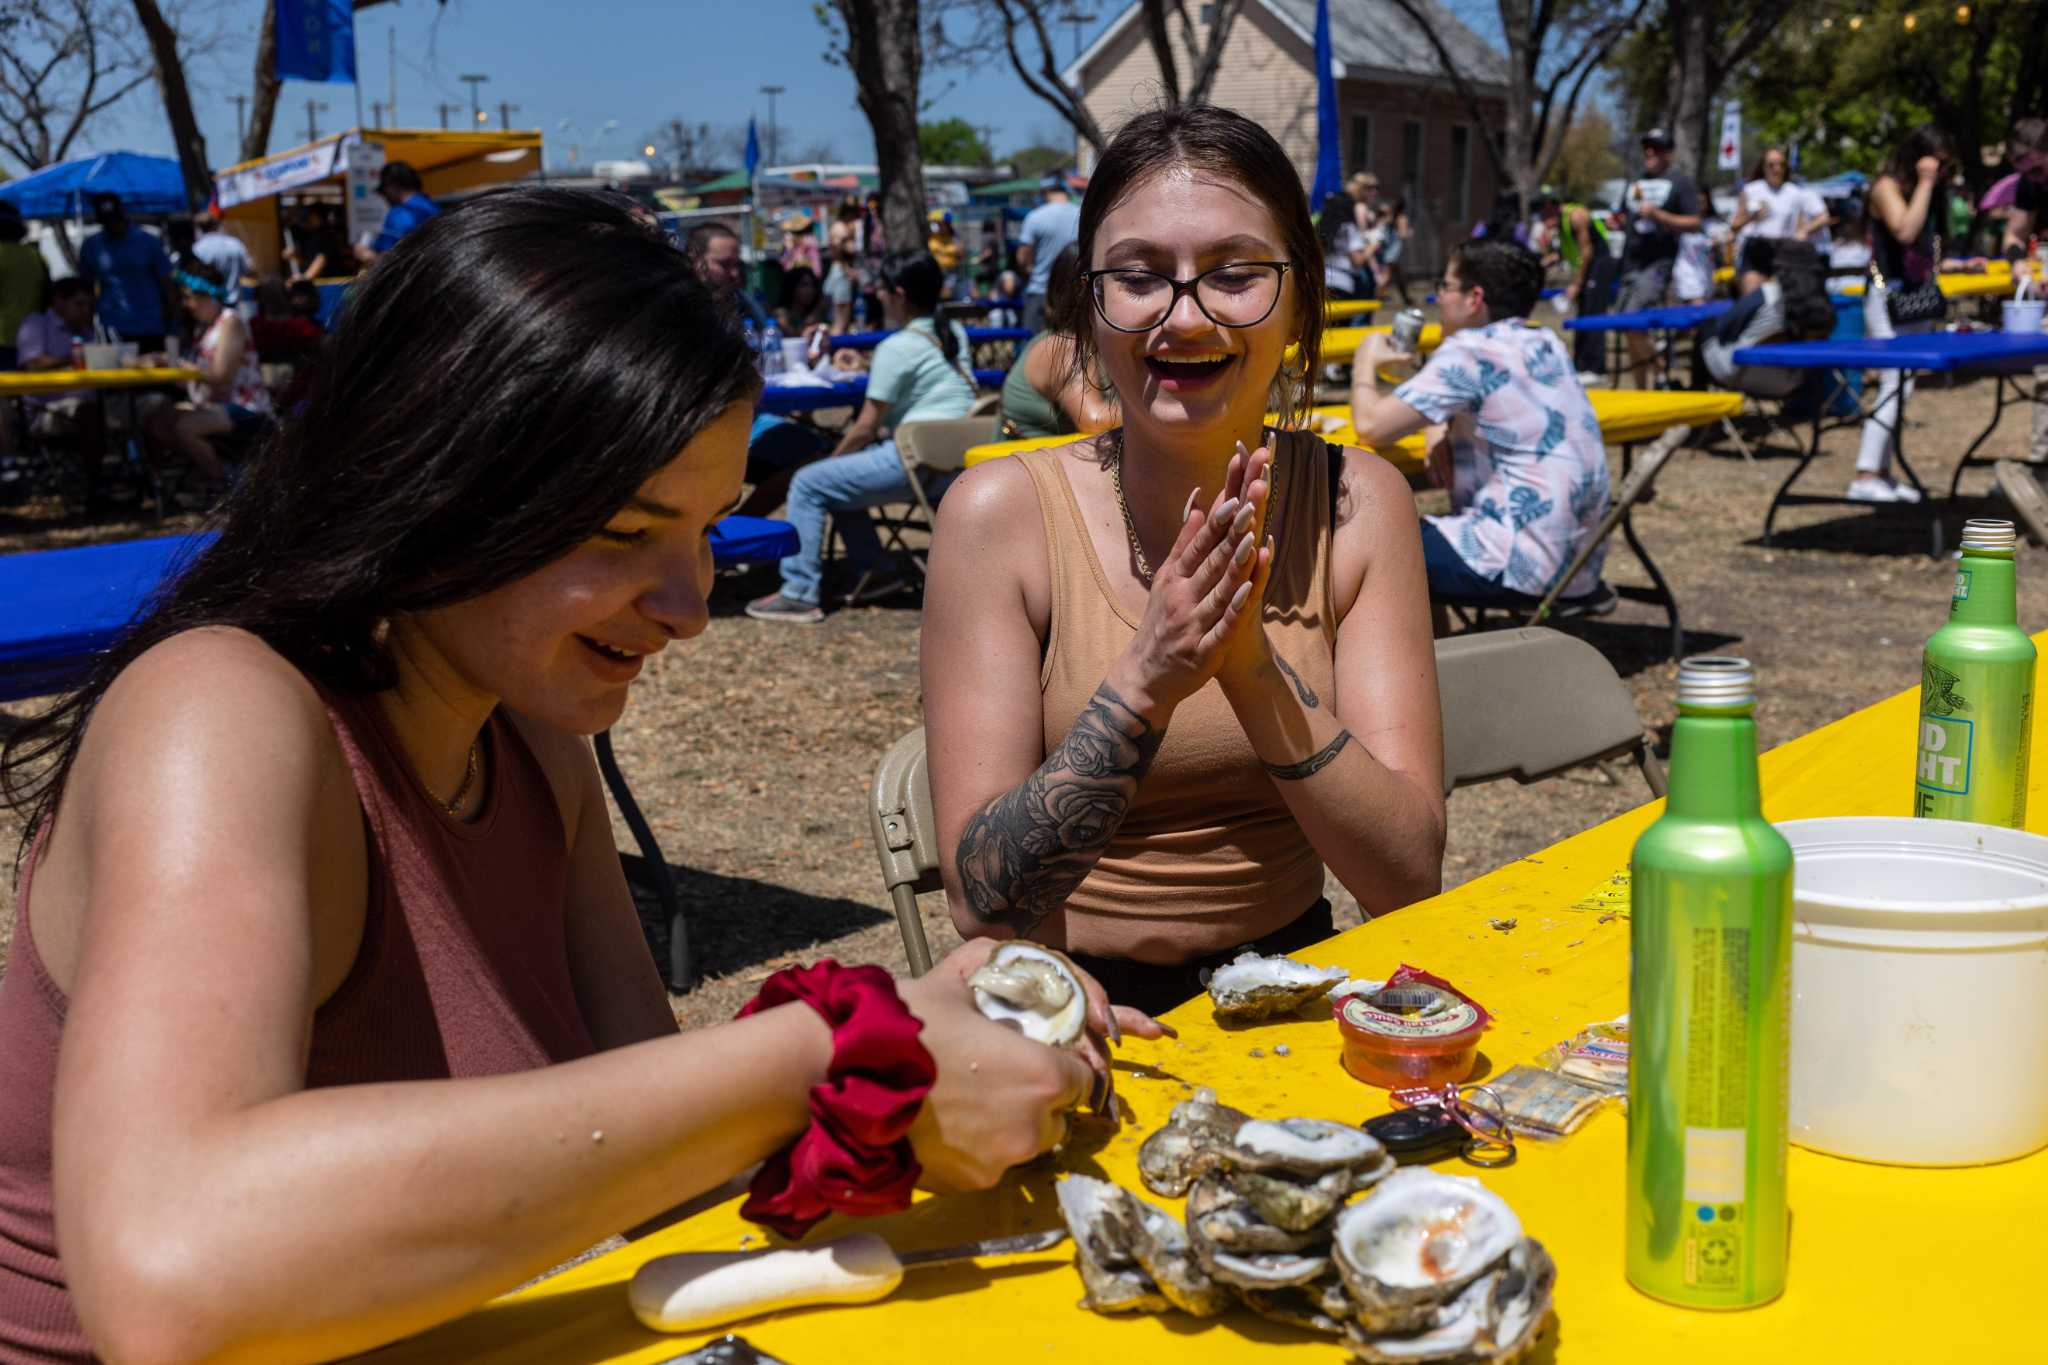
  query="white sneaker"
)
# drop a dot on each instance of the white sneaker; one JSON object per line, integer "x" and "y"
{"x": 1872, "y": 490}
{"x": 1904, "y": 492}
{"x": 1592, "y": 379}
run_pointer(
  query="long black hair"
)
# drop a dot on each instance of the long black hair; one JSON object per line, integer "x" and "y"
{"x": 917, "y": 274}
{"x": 1224, "y": 142}
{"x": 500, "y": 383}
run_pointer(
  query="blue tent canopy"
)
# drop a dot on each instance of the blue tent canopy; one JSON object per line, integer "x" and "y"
{"x": 146, "y": 184}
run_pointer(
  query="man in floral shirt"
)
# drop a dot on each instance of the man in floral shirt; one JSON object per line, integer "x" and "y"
{"x": 1527, "y": 470}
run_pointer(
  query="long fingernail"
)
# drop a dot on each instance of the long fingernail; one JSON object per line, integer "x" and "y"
{"x": 1242, "y": 552}
{"x": 1244, "y": 590}
{"x": 1229, "y": 509}
{"x": 1116, "y": 1035}
{"x": 1242, "y": 453}
{"x": 1189, "y": 510}
{"x": 1166, "y": 1028}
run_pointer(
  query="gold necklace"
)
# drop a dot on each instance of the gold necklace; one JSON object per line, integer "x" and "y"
{"x": 454, "y": 805}
{"x": 1116, "y": 479}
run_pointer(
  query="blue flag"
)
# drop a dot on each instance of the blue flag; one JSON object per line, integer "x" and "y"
{"x": 1329, "y": 161}
{"x": 316, "y": 40}
{"x": 753, "y": 148}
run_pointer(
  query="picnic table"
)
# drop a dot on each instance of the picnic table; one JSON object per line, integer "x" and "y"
{"x": 27, "y": 383}
{"x": 65, "y": 607}
{"x": 843, "y": 391}
{"x": 1972, "y": 1234}
{"x": 1999, "y": 354}
{"x": 1349, "y": 308}
{"x": 976, "y": 336}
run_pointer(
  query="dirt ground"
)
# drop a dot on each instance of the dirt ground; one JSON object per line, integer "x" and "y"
{"x": 751, "y": 748}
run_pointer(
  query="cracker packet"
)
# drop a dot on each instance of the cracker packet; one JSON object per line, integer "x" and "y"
{"x": 1544, "y": 1104}
{"x": 1597, "y": 1055}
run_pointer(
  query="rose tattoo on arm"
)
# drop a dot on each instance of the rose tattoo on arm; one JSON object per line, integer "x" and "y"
{"x": 1026, "y": 850}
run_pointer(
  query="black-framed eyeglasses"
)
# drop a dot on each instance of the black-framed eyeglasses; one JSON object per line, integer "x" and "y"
{"x": 1240, "y": 294}
{"x": 1445, "y": 286}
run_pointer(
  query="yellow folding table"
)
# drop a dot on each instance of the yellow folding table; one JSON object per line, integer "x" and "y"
{"x": 1888, "y": 1263}
{"x": 23, "y": 383}
{"x": 1349, "y": 308}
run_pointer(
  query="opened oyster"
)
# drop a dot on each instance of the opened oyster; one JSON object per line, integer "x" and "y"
{"x": 1164, "y": 1250}
{"x": 1172, "y": 1156}
{"x": 1417, "y": 1242}
{"x": 1251, "y": 987}
{"x": 1106, "y": 1226}
{"x": 1321, "y": 1305}
{"x": 1220, "y": 1217}
{"x": 1495, "y": 1319}
{"x": 1033, "y": 990}
{"x": 1308, "y": 1148}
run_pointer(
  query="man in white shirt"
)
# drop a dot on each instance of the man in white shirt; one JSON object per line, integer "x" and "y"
{"x": 224, "y": 253}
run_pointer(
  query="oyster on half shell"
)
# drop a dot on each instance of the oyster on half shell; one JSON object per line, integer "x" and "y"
{"x": 1168, "y": 1256}
{"x": 1172, "y": 1156}
{"x": 1034, "y": 990}
{"x": 1220, "y": 1217}
{"x": 1251, "y": 987}
{"x": 1106, "y": 1226}
{"x": 1416, "y": 1242}
{"x": 1321, "y": 1305}
{"x": 1494, "y": 1320}
{"x": 1305, "y": 1148}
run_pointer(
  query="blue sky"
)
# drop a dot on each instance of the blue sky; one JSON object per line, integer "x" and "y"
{"x": 637, "y": 61}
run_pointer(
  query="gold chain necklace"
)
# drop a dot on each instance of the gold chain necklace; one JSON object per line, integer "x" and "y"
{"x": 454, "y": 805}
{"x": 1116, "y": 479}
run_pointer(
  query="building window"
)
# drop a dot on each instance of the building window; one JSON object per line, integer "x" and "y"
{"x": 1461, "y": 174}
{"x": 1361, "y": 142}
{"x": 1411, "y": 160}
{"x": 1208, "y": 16}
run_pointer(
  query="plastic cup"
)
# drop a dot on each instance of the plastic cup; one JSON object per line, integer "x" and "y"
{"x": 1919, "y": 1028}
{"x": 796, "y": 353}
{"x": 101, "y": 355}
{"x": 2023, "y": 316}
{"x": 170, "y": 350}
{"x": 131, "y": 355}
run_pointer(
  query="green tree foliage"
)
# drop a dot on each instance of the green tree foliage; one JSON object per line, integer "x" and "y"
{"x": 1039, "y": 160}
{"x": 1586, "y": 156}
{"x": 951, "y": 142}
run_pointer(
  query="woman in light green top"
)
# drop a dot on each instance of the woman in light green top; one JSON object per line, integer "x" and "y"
{"x": 1042, "y": 394}
{"x": 920, "y": 374}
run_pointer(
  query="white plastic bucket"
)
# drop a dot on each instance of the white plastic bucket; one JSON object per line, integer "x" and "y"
{"x": 2023, "y": 316}
{"x": 1919, "y": 990}
{"x": 102, "y": 355}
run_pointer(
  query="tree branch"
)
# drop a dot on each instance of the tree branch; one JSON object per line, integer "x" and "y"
{"x": 1458, "y": 81}
{"x": 1162, "y": 47}
{"x": 1212, "y": 52}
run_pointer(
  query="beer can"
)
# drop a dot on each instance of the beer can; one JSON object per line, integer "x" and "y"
{"x": 1408, "y": 325}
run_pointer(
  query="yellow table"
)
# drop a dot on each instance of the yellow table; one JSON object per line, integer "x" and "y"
{"x": 20, "y": 383}
{"x": 1888, "y": 1263}
{"x": 1349, "y": 308}
{"x": 1341, "y": 343}
{"x": 1994, "y": 279}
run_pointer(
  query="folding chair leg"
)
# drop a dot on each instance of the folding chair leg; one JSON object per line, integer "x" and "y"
{"x": 915, "y": 946}
{"x": 1728, "y": 426}
{"x": 682, "y": 970}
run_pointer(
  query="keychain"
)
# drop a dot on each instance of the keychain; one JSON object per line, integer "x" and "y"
{"x": 1464, "y": 1121}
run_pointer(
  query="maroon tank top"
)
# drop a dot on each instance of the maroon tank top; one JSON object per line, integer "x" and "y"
{"x": 463, "y": 971}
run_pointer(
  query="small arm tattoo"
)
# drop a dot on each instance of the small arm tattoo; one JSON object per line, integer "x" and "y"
{"x": 1301, "y": 689}
{"x": 1314, "y": 763}
{"x": 1024, "y": 852}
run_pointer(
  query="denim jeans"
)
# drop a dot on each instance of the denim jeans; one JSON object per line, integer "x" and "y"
{"x": 845, "y": 483}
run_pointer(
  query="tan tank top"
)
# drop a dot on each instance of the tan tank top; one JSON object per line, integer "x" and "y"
{"x": 1209, "y": 856}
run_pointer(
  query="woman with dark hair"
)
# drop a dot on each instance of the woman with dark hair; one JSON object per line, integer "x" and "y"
{"x": 1042, "y": 395}
{"x": 323, "y": 956}
{"x": 1908, "y": 208}
{"x": 228, "y": 398}
{"x": 802, "y": 305}
{"x": 1172, "y": 670}
{"x": 1789, "y": 303}
{"x": 920, "y": 373}
{"x": 1347, "y": 260}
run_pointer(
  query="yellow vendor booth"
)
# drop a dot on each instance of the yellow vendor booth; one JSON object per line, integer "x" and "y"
{"x": 341, "y": 170}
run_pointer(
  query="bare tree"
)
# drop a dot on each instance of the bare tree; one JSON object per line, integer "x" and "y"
{"x": 882, "y": 43}
{"x": 1554, "y": 48}
{"x": 819, "y": 150}
{"x": 1710, "y": 41}
{"x": 1021, "y": 33}
{"x": 177, "y": 96}
{"x": 62, "y": 63}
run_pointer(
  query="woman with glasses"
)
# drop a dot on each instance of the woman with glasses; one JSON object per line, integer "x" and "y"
{"x": 1174, "y": 670}
{"x": 1771, "y": 209}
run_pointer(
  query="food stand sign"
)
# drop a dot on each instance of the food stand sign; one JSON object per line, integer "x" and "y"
{"x": 361, "y": 163}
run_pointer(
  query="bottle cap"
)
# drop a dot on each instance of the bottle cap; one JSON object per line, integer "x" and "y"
{"x": 1716, "y": 680}
{"x": 1989, "y": 533}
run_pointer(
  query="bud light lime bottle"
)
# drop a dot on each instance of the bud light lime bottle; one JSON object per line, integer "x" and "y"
{"x": 1710, "y": 975}
{"x": 1977, "y": 692}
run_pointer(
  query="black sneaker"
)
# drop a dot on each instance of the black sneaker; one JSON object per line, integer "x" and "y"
{"x": 776, "y": 607}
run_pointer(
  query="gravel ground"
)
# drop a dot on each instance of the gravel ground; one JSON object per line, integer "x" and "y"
{"x": 751, "y": 748}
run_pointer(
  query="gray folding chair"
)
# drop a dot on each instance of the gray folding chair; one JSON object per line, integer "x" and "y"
{"x": 906, "y": 836}
{"x": 929, "y": 452}
{"x": 1531, "y": 703}
{"x": 1526, "y": 704}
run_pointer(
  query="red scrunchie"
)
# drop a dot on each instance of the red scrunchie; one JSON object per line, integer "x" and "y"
{"x": 855, "y": 1157}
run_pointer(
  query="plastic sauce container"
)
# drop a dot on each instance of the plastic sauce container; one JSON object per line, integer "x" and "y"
{"x": 1407, "y": 1035}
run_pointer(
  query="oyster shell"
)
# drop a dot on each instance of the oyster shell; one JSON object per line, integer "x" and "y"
{"x": 1417, "y": 1241}
{"x": 1106, "y": 1227}
{"x": 1251, "y": 987}
{"x": 1495, "y": 1319}
{"x": 1034, "y": 990}
{"x": 1295, "y": 1205}
{"x": 1263, "y": 1269}
{"x": 1305, "y": 1148}
{"x": 1321, "y": 1305}
{"x": 1172, "y": 1156}
{"x": 1168, "y": 1256}
{"x": 1221, "y": 1218}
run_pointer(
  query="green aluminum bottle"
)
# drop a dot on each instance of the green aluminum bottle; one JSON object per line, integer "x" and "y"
{"x": 1977, "y": 693}
{"x": 1710, "y": 1009}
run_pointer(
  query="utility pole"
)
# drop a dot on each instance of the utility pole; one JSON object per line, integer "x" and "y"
{"x": 988, "y": 140}
{"x": 771, "y": 91}
{"x": 313, "y": 107}
{"x": 476, "y": 110}
{"x": 505, "y": 112}
{"x": 446, "y": 108}
{"x": 1072, "y": 15}
{"x": 391, "y": 56}
{"x": 241, "y": 119}
{"x": 376, "y": 113}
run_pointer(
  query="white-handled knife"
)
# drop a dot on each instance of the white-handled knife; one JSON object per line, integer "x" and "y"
{"x": 695, "y": 1289}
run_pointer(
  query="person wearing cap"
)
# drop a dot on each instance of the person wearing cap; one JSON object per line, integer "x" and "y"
{"x": 24, "y": 282}
{"x": 399, "y": 185}
{"x": 799, "y": 244}
{"x": 1662, "y": 206}
{"x": 132, "y": 272}
{"x": 1048, "y": 230}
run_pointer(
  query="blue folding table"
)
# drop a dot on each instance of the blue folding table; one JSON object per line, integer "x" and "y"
{"x": 67, "y": 607}
{"x": 976, "y": 336}
{"x": 789, "y": 399}
{"x": 1996, "y": 353}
